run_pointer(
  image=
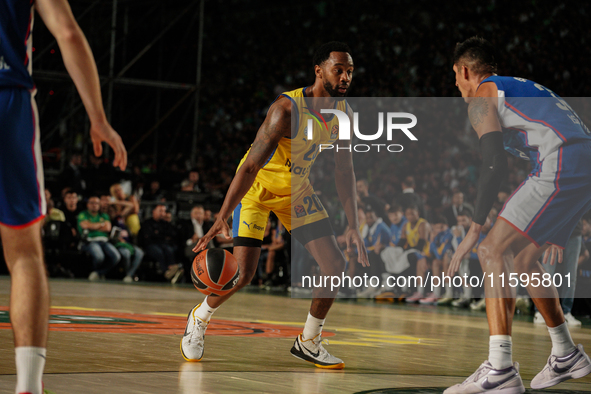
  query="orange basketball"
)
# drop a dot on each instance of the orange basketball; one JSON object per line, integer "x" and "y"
{"x": 215, "y": 271}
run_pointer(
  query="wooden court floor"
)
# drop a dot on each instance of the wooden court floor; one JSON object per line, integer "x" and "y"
{"x": 109, "y": 337}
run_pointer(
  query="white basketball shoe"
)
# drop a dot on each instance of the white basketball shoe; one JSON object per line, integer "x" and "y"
{"x": 193, "y": 343}
{"x": 558, "y": 369}
{"x": 311, "y": 350}
{"x": 486, "y": 379}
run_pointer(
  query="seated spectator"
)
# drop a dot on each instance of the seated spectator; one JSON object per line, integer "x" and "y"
{"x": 131, "y": 255}
{"x": 366, "y": 198}
{"x": 71, "y": 212}
{"x": 190, "y": 231}
{"x": 409, "y": 198}
{"x": 72, "y": 175}
{"x": 53, "y": 214}
{"x": 397, "y": 222}
{"x": 457, "y": 206}
{"x": 95, "y": 227}
{"x": 440, "y": 247}
{"x": 157, "y": 237}
{"x": 154, "y": 193}
{"x": 193, "y": 182}
{"x": 415, "y": 236}
{"x": 127, "y": 207}
{"x": 377, "y": 238}
{"x": 273, "y": 242}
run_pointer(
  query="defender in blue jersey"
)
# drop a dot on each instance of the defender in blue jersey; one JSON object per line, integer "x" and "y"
{"x": 531, "y": 122}
{"x": 22, "y": 198}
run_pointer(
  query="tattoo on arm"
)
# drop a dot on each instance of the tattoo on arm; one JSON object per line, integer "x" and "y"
{"x": 276, "y": 126}
{"x": 477, "y": 111}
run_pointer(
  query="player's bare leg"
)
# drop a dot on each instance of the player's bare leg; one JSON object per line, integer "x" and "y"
{"x": 29, "y": 302}
{"x": 192, "y": 344}
{"x": 308, "y": 345}
{"x": 570, "y": 360}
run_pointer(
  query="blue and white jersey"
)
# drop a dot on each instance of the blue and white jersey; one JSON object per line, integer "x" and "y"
{"x": 536, "y": 122}
{"x": 16, "y": 25}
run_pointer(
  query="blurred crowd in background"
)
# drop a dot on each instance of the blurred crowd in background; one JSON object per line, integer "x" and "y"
{"x": 160, "y": 206}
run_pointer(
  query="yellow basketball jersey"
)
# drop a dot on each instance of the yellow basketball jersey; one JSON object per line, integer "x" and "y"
{"x": 412, "y": 235}
{"x": 288, "y": 167}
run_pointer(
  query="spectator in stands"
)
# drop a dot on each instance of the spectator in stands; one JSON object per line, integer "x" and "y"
{"x": 440, "y": 245}
{"x": 457, "y": 206}
{"x": 190, "y": 231}
{"x": 409, "y": 198}
{"x": 157, "y": 237}
{"x": 154, "y": 193}
{"x": 377, "y": 238}
{"x": 131, "y": 255}
{"x": 194, "y": 182}
{"x": 415, "y": 235}
{"x": 397, "y": 222}
{"x": 95, "y": 227}
{"x": 53, "y": 214}
{"x": 127, "y": 207}
{"x": 368, "y": 199}
{"x": 71, "y": 212}
{"x": 459, "y": 232}
{"x": 72, "y": 175}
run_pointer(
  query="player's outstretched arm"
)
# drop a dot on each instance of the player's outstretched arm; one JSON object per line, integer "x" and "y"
{"x": 345, "y": 183}
{"x": 80, "y": 64}
{"x": 482, "y": 112}
{"x": 277, "y": 125}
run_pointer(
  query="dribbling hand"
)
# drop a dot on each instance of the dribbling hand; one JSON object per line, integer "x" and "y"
{"x": 220, "y": 226}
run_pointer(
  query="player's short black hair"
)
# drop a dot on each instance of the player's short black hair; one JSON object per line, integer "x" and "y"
{"x": 479, "y": 54}
{"x": 323, "y": 52}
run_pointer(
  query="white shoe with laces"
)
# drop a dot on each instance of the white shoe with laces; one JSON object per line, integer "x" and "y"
{"x": 489, "y": 380}
{"x": 558, "y": 369}
{"x": 193, "y": 342}
{"x": 311, "y": 350}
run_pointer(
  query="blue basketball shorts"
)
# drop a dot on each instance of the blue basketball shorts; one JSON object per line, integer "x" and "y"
{"x": 547, "y": 206}
{"x": 22, "y": 196}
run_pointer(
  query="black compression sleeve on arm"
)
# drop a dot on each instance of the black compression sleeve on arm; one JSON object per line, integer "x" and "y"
{"x": 493, "y": 172}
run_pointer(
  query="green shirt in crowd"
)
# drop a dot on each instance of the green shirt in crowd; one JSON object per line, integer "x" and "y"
{"x": 94, "y": 235}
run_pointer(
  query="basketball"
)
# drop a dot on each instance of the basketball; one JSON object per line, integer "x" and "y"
{"x": 215, "y": 271}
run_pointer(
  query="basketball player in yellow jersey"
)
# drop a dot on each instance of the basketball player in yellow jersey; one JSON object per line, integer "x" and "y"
{"x": 273, "y": 176}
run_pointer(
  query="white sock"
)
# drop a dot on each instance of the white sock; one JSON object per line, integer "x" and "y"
{"x": 449, "y": 291}
{"x": 313, "y": 327}
{"x": 30, "y": 362}
{"x": 562, "y": 343}
{"x": 421, "y": 290}
{"x": 204, "y": 311}
{"x": 437, "y": 292}
{"x": 499, "y": 351}
{"x": 467, "y": 292}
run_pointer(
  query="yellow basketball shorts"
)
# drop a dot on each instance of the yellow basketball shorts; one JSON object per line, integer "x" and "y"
{"x": 297, "y": 212}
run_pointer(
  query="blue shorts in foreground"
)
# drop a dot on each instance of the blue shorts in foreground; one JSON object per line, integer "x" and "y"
{"x": 22, "y": 197}
{"x": 546, "y": 207}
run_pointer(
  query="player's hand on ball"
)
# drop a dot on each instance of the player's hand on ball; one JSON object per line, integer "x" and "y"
{"x": 352, "y": 236}
{"x": 554, "y": 253}
{"x": 103, "y": 132}
{"x": 220, "y": 226}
